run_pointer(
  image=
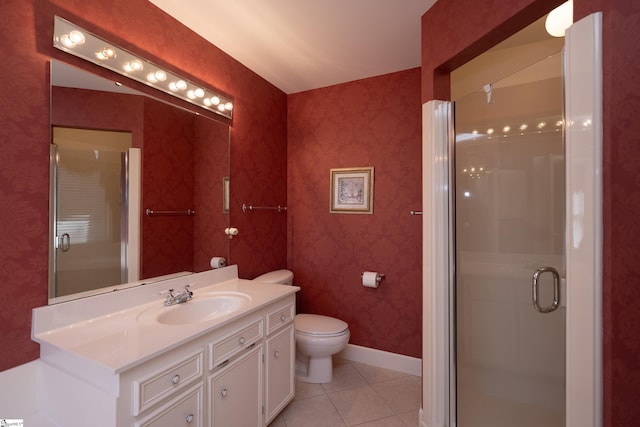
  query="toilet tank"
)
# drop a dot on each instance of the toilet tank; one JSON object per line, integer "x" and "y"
{"x": 281, "y": 277}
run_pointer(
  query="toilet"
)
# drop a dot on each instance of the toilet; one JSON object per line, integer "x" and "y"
{"x": 317, "y": 337}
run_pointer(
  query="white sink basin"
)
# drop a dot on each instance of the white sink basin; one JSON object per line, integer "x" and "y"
{"x": 203, "y": 307}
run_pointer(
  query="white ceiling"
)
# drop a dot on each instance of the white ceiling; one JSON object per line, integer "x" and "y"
{"x": 299, "y": 45}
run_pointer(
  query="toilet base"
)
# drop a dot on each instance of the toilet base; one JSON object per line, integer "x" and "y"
{"x": 316, "y": 370}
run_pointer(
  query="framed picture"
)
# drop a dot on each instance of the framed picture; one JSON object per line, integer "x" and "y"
{"x": 352, "y": 190}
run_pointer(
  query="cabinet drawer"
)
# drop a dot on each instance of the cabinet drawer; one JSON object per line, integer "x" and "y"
{"x": 185, "y": 409}
{"x": 228, "y": 347}
{"x": 280, "y": 317}
{"x": 149, "y": 390}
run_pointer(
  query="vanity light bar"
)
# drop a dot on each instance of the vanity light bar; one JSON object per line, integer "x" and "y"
{"x": 83, "y": 44}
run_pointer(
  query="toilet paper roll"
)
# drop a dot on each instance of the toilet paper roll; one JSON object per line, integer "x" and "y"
{"x": 218, "y": 262}
{"x": 370, "y": 279}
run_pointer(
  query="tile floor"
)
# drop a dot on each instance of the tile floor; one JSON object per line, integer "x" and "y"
{"x": 359, "y": 395}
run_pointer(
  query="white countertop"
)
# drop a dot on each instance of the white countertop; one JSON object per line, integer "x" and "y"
{"x": 117, "y": 341}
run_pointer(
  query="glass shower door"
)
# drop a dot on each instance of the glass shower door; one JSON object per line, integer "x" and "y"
{"x": 90, "y": 199}
{"x": 509, "y": 227}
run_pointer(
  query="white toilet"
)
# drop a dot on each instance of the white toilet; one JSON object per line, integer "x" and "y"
{"x": 318, "y": 337}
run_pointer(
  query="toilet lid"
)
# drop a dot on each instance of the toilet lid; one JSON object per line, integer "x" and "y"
{"x": 316, "y": 324}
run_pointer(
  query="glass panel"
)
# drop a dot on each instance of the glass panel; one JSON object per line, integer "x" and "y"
{"x": 509, "y": 190}
{"x": 90, "y": 227}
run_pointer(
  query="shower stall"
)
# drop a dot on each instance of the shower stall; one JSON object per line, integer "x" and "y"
{"x": 512, "y": 232}
{"x": 508, "y": 205}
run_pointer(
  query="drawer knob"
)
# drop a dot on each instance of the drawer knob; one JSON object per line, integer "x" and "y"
{"x": 175, "y": 379}
{"x": 241, "y": 340}
{"x": 189, "y": 418}
{"x": 282, "y": 317}
{"x": 224, "y": 392}
{"x": 276, "y": 354}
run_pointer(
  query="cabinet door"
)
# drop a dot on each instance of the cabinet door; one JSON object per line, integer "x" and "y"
{"x": 280, "y": 355}
{"x": 235, "y": 392}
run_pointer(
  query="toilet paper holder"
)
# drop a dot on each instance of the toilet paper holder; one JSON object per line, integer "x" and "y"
{"x": 371, "y": 279}
{"x": 380, "y": 276}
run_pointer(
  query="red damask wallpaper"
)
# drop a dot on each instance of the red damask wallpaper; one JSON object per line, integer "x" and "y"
{"x": 453, "y": 33}
{"x": 372, "y": 122}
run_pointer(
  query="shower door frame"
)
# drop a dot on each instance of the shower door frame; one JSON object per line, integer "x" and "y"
{"x": 583, "y": 237}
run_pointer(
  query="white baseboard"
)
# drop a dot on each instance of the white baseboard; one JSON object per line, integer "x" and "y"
{"x": 421, "y": 418}
{"x": 382, "y": 359}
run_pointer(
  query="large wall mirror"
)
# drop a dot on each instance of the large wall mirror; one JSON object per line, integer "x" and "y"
{"x": 176, "y": 188}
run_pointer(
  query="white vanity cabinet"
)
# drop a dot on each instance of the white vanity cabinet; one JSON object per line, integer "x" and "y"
{"x": 236, "y": 373}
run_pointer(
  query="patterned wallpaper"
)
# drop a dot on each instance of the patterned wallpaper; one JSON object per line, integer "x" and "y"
{"x": 454, "y": 32}
{"x": 167, "y": 184}
{"x": 372, "y": 122}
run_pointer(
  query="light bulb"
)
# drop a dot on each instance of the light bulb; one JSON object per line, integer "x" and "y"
{"x": 151, "y": 78}
{"x": 66, "y": 41}
{"x": 199, "y": 93}
{"x": 191, "y": 94}
{"x": 207, "y": 102}
{"x": 181, "y": 85}
{"x": 228, "y": 106}
{"x": 133, "y": 66}
{"x": 173, "y": 86}
{"x": 76, "y": 37}
{"x": 160, "y": 75}
{"x": 215, "y": 100}
{"x": 559, "y": 19}
{"x": 106, "y": 53}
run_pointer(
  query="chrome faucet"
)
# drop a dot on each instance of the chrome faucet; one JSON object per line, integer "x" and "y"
{"x": 178, "y": 298}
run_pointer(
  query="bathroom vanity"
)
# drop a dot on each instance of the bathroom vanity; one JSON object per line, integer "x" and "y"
{"x": 224, "y": 358}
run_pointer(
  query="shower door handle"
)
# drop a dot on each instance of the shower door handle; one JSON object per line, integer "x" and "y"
{"x": 65, "y": 243}
{"x": 535, "y": 289}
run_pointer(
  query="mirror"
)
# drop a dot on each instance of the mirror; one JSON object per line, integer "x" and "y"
{"x": 184, "y": 167}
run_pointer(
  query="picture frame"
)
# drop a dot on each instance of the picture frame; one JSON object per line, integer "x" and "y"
{"x": 351, "y": 190}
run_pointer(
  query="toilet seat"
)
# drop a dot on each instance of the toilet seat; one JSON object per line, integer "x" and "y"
{"x": 317, "y": 325}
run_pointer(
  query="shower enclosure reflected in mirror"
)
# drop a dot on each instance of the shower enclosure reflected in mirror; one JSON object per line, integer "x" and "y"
{"x": 184, "y": 160}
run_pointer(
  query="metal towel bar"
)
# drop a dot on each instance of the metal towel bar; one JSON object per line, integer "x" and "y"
{"x": 246, "y": 207}
{"x": 189, "y": 212}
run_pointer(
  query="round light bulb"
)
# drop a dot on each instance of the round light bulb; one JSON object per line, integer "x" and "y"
{"x": 66, "y": 41}
{"x": 191, "y": 94}
{"x": 228, "y": 106}
{"x": 76, "y": 37}
{"x": 207, "y": 102}
{"x": 151, "y": 78}
{"x": 173, "y": 86}
{"x": 199, "y": 93}
{"x": 559, "y": 19}
{"x": 181, "y": 85}
{"x": 160, "y": 75}
{"x": 215, "y": 100}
